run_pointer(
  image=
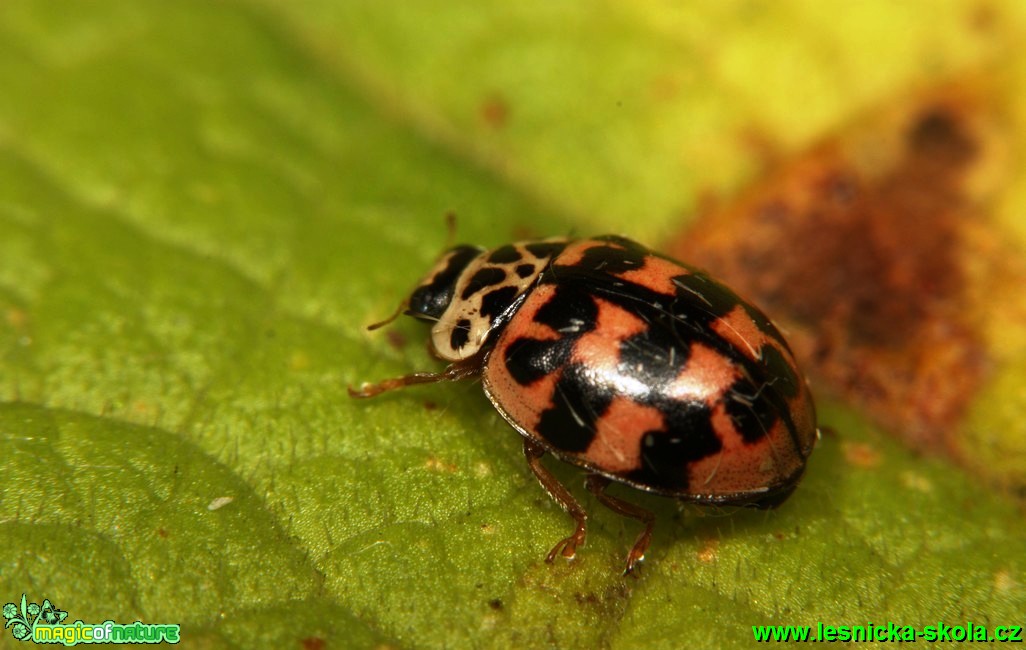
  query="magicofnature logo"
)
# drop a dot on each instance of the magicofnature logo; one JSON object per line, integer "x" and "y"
{"x": 45, "y": 624}
{"x": 23, "y": 621}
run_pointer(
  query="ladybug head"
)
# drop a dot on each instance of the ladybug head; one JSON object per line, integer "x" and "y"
{"x": 433, "y": 295}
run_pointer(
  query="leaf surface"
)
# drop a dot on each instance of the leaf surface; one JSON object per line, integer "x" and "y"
{"x": 201, "y": 207}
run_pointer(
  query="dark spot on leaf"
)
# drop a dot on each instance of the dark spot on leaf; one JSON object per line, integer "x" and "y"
{"x": 396, "y": 339}
{"x": 608, "y": 603}
{"x": 496, "y": 604}
{"x": 984, "y": 17}
{"x": 313, "y": 643}
{"x": 937, "y": 138}
{"x": 591, "y": 598}
{"x": 495, "y": 111}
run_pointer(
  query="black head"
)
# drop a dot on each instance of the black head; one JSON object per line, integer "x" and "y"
{"x": 432, "y": 296}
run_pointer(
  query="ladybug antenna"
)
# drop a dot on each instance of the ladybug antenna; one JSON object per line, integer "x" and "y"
{"x": 450, "y": 229}
{"x": 380, "y": 324}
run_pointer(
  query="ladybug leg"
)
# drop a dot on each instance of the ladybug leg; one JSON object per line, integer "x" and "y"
{"x": 597, "y": 484}
{"x": 565, "y": 547}
{"x": 454, "y": 372}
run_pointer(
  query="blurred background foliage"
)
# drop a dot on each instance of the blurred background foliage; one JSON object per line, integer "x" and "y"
{"x": 203, "y": 204}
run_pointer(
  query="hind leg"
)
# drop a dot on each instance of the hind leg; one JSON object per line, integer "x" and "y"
{"x": 597, "y": 484}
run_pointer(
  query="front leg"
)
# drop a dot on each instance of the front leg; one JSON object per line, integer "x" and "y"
{"x": 565, "y": 547}
{"x": 463, "y": 369}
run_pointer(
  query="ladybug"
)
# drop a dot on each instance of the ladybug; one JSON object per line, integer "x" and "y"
{"x": 638, "y": 368}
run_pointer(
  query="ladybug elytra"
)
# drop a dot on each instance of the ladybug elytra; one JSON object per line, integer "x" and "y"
{"x": 637, "y": 368}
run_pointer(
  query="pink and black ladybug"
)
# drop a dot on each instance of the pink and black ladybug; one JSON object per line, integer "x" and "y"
{"x": 633, "y": 366}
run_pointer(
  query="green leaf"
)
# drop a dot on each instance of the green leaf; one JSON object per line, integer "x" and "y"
{"x": 203, "y": 204}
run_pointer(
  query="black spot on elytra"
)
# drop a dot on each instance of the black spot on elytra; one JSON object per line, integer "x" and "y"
{"x": 783, "y": 376}
{"x": 655, "y": 356}
{"x": 484, "y": 278}
{"x": 495, "y": 303}
{"x": 525, "y": 270}
{"x": 757, "y": 401}
{"x": 528, "y": 360}
{"x": 752, "y": 414}
{"x": 504, "y": 255}
{"x": 571, "y": 309}
{"x": 431, "y": 299}
{"x": 703, "y": 294}
{"x": 460, "y": 334}
{"x": 577, "y": 403}
{"x": 765, "y": 325}
{"x": 570, "y": 312}
{"x": 624, "y": 243}
{"x": 700, "y": 301}
{"x": 667, "y": 454}
{"x": 611, "y": 259}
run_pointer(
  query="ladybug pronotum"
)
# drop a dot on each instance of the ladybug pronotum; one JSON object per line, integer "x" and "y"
{"x": 633, "y": 366}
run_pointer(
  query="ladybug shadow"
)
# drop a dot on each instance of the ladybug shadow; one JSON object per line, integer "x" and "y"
{"x": 813, "y": 506}
{"x": 694, "y": 532}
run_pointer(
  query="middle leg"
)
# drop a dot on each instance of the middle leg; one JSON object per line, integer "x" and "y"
{"x": 566, "y": 547}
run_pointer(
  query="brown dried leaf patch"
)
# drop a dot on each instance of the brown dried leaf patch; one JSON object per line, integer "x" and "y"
{"x": 860, "y": 248}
